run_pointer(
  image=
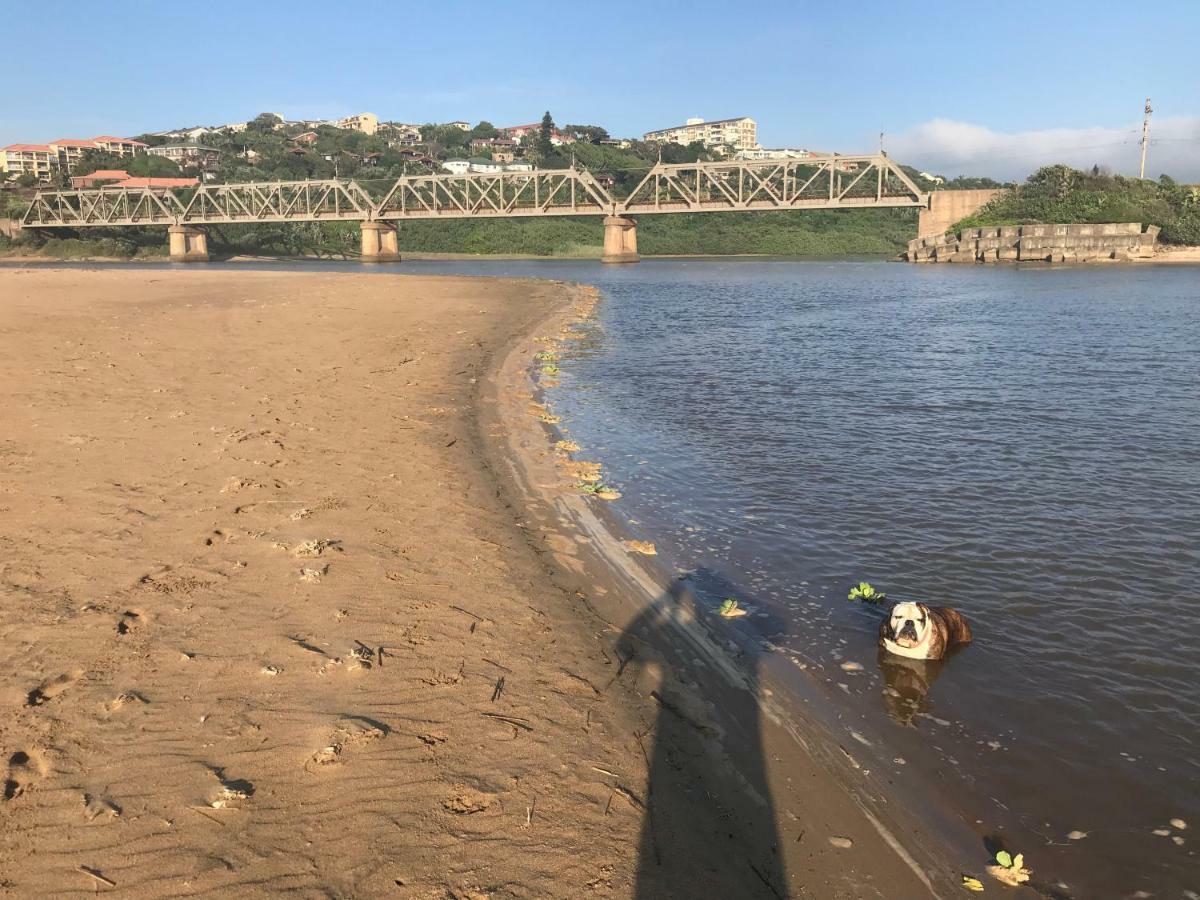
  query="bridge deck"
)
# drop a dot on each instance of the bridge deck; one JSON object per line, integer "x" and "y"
{"x": 827, "y": 182}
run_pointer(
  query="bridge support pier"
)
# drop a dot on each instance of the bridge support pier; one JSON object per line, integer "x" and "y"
{"x": 188, "y": 243}
{"x": 380, "y": 242}
{"x": 620, "y": 240}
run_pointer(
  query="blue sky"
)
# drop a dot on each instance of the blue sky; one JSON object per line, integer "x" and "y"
{"x": 997, "y": 89}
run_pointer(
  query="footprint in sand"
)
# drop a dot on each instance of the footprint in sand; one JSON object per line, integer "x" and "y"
{"x": 350, "y": 732}
{"x": 124, "y": 699}
{"x": 230, "y": 792}
{"x": 132, "y": 620}
{"x": 51, "y": 688}
{"x": 99, "y": 808}
{"x": 24, "y": 768}
{"x": 313, "y": 576}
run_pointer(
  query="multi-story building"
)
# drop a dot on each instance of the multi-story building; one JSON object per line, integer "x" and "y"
{"x": 70, "y": 151}
{"x": 118, "y": 145}
{"x": 37, "y": 160}
{"x": 367, "y": 123}
{"x": 187, "y": 154}
{"x": 740, "y": 133}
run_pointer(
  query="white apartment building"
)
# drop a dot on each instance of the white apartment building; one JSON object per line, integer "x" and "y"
{"x": 187, "y": 154}
{"x": 740, "y": 133}
{"x": 779, "y": 153}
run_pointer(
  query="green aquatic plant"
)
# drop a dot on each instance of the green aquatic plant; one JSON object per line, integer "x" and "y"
{"x": 550, "y": 369}
{"x": 1006, "y": 860}
{"x": 867, "y": 594}
{"x": 546, "y": 356}
{"x": 730, "y": 609}
{"x": 599, "y": 489}
{"x": 1009, "y": 869}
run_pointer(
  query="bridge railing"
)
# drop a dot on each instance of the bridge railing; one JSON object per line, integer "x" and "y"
{"x": 828, "y": 182}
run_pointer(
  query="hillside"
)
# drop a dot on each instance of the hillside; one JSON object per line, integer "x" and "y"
{"x": 268, "y": 149}
{"x": 1062, "y": 194}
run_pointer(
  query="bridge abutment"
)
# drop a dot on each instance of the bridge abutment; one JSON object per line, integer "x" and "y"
{"x": 620, "y": 240}
{"x": 947, "y": 207}
{"x": 380, "y": 242}
{"x": 188, "y": 243}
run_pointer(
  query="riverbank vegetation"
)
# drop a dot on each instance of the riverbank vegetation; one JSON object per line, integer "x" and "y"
{"x": 1061, "y": 194}
{"x": 808, "y": 233}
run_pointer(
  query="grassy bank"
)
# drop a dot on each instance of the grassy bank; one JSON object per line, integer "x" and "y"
{"x": 810, "y": 233}
{"x": 1062, "y": 194}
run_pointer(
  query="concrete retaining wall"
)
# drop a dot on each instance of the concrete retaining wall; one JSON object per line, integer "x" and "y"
{"x": 10, "y": 227}
{"x": 948, "y": 207}
{"x": 1041, "y": 243}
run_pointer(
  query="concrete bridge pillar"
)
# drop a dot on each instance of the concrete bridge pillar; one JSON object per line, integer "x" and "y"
{"x": 188, "y": 243}
{"x": 620, "y": 240}
{"x": 380, "y": 242}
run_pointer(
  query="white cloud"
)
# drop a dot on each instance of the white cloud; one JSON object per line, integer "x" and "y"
{"x": 961, "y": 148}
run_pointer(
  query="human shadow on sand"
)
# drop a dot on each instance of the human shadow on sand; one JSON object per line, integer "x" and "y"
{"x": 709, "y": 827}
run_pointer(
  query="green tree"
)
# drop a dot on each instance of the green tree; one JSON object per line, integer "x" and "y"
{"x": 263, "y": 122}
{"x": 545, "y": 146}
{"x": 484, "y": 129}
{"x": 591, "y": 133}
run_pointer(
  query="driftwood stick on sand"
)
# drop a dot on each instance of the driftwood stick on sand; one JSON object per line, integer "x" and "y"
{"x": 514, "y": 721}
{"x": 92, "y": 873}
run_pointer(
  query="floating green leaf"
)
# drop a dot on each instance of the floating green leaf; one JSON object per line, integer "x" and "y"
{"x": 1005, "y": 859}
{"x": 864, "y": 592}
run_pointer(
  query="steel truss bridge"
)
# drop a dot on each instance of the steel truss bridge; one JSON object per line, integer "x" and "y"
{"x": 820, "y": 182}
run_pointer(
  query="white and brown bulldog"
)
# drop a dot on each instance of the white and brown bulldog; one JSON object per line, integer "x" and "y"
{"x": 920, "y": 631}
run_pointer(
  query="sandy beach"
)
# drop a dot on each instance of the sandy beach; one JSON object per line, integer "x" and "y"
{"x": 297, "y": 595}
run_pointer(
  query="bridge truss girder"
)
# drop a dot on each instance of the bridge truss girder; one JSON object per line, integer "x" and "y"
{"x": 828, "y": 182}
{"x": 833, "y": 182}
{"x": 542, "y": 192}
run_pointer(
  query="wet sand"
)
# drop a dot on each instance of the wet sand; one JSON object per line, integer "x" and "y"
{"x": 295, "y": 596}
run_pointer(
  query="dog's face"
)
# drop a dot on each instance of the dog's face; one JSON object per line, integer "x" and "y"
{"x": 909, "y": 624}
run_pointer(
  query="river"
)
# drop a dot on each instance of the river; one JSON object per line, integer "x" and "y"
{"x": 1020, "y": 443}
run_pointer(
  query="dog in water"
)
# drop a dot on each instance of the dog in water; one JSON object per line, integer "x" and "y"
{"x": 920, "y": 631}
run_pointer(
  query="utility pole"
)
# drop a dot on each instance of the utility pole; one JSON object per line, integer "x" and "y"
{"x": 1145, "y": 137}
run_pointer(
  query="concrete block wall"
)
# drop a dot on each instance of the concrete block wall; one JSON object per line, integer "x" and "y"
{"x": 1043, "y": 243}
